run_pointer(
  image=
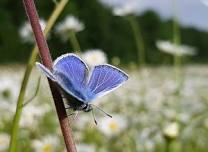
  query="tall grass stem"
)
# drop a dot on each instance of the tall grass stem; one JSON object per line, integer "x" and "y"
{"x": 176, "y": 41}
{"x": 74, "y": 41}
{"x": 138, "y": 40}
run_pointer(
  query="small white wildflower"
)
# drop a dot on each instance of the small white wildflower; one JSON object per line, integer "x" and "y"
{"x": 170, "y": 86}
{"x": 170, "y": 113}
{"x": 31, "y": 115}
{"x": 26, "y": 32}
{"x": 184, "y": 117}
{"x": 4, "y": 142}
{"x": 9, "y": 88}
{"x": 85, "y": 148}
{"x": 178, "y": 50}
{"x": 171, "y": 130}
{"x": 6, "y": 109}
{"x": 112, "y": 126}
{"x": 94, "y": 57}
{"x": 48, "y": 143}
{"x": 149, "y": 145}
{"x": 70, "y": 23}
{"x": 124, "y": 10}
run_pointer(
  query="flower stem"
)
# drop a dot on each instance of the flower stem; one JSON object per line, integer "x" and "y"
{"x": 176, "y": 41}
{"x": 74, "y": 42}
{"x": 15, "y": 127}
{"x": 168, "y": 145}
{"x": 17, "y": 116}
{"x": 138, "y": 40}
{"x": 47, "y": 61}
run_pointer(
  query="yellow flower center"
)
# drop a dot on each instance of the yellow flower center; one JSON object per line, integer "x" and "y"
{"x": 47, "y": 148}
{"x": 113, "y": 126}
{"x": 2, "y": 141}
{"x": 94, "y": 57}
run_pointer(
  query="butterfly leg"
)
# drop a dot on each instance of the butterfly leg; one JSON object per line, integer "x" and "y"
{"x": 71, "y": 114}
{"x": 74, "y": 114}
{"x": 68, "y": 107}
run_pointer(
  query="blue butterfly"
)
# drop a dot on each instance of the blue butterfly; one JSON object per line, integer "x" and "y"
{"x": 79, "y": 86}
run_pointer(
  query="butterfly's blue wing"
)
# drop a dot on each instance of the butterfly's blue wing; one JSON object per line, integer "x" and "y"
{"x": 46, "y": 71}
{"x": 104, "y": 78}
{"x": 71, "y": 73}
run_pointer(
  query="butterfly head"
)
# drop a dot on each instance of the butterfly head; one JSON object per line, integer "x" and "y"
{"x": 87, "y": 108}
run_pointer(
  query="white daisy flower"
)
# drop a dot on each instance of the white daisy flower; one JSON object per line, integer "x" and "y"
{"x": 70, "y": 23}
{"x": 9, "y": 88}
{"x": 7, "y": 110}
{"x": 94, "y": 57}
{"x": 85, "y": 148}
{"x": 31, "y": 114}
{"x": 178, "y": 50}
{"x": 112, "y": 126}
{"x": 124, "y": 10}
{"x": 48, "y": 143}
{"x": 171, "y": 130}
{"x": 4, "y": 142}
{"x": 26, "y": 32}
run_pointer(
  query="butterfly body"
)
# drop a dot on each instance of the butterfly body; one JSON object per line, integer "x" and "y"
{"x": 76, "y": 104}
{"x": 79, "y": 85}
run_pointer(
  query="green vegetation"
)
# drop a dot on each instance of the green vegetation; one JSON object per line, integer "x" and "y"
{"x": 103, "y": 30}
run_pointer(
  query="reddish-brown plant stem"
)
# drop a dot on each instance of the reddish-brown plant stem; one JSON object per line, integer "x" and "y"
{"x": 47, "y": 61}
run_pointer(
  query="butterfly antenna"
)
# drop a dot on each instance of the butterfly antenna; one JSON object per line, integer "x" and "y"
{"x": 102, "y": 110}
{"x": 93, "y": 115}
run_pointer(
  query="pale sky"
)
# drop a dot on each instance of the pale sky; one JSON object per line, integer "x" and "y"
{"x": 190, "y": 12}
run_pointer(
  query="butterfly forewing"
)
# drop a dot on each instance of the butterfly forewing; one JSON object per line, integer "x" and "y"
{"x": 71, "y": 73}
{"x": 73, "y": 67}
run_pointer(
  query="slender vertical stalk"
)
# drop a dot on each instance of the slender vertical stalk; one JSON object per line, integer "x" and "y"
{"x": 177, "y": 59}
{"x": 74, "y": 41}
{"x": 168, "y": 144}
{"x": 17, "y": 116}
{"x": 47, "y": 61}
{"x": 15, "y": 127}
{"x": 138, "y": 40}
{"x": 176, "y": 41}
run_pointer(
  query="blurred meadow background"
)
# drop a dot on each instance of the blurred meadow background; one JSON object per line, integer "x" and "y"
{"x": 162, "y": 45}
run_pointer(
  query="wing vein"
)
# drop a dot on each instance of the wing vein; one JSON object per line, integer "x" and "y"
{"x": 97, "y": 80}
{"x": 107, "y": 87}
{"x": 103, "y": 82}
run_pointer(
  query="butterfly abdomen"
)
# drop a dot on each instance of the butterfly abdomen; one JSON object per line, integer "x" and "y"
{"x": 73, "y": 102}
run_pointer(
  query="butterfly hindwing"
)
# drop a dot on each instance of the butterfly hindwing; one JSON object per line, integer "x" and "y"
{"x": 105, "y": 78}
